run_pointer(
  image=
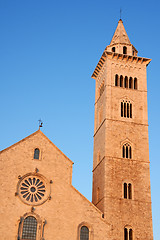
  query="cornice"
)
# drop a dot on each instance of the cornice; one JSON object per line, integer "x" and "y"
{"x": 121, "y": 57}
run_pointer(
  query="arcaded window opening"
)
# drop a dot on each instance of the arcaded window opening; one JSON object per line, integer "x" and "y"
{"x": 36, "y": 153}
{"x": 130, "y": 82}
{"x": 121, "y": 81}
{"x": 126, "y": 109}
{"x": 84, "y": 233}
{"x": 135, "y": 83}
{"x": 126, "y": 82}
{"x": 113, "y": 49}
{"x": 126, "y": 151}
{"x": 116, "y": 80}
{"x": 124, "y": 50}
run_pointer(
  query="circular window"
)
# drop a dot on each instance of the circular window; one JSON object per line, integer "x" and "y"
{"x": 33, "y": 189}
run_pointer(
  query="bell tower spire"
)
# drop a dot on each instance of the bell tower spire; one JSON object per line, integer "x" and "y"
{"x": 120, "y": 42}
{"x": 121, "y": 172}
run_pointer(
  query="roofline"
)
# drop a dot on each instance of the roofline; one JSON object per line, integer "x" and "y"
{"x": 97, "y": 209}
{"x": 24, "y": 139}
{"x": 118, "y": 55}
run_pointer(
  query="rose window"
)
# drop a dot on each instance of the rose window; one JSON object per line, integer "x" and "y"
{"x": 33, "y": 190}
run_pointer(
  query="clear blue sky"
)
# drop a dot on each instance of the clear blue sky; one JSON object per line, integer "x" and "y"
{"x": 48, "y": 51}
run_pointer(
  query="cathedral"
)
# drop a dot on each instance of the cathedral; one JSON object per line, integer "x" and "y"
{"x": 38, "y": 200}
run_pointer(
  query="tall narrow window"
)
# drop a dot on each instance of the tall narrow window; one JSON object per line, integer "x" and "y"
{"x": 36, "y": 153}
{"x": 124, "y": 155}
{"x": 29, "y": 231}
{"x": 116, "y": 80}
{"x": 130, "y": 152}
{"x": 113, "y": 49}
{"x": 124, "y": 50}
{"x": 125, "y": 234}
{"x": 126, "y": 82}
{"x": 125, "y": 190}
{"x": 129, "y": 191}
{"x": 130, "y": 82}
{"x": 135, "y": 83}
{"x": 130, "y": 110}
{"x": 84, "y": 233}
{"x": 128, "y": 233}
{"x": 121, "y": 109}
{"x": 121, "y": 81}
{"x": 124, "y": 109}
{"x": 127, "y": 151}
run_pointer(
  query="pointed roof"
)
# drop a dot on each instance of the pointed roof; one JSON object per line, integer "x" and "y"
{"x": 33, "y": 134}
{"x": 120, "y": 35}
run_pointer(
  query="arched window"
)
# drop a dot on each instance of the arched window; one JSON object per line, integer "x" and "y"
{"x": 124, "y": 50}
{"x": 116, "y": 80}
{"x": 130, "y": 82}
{"x": 126, "y": 151}
{"x": 29, "y": 231}
{"x": 113, "y": 49}
{"x": 84, "y": 233}
{"x": 121, "y": 81}
{"x": 135, "y": 83}
{"x": 36, "y": 153}
{"x": 126, "y": 109}
{"x": 127, "y": 190}
{"x": 126, "y": 82}
{"x": 128, "y": 233}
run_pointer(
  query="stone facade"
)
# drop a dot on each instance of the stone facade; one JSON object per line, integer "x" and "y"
{"x": 36, "y": 177}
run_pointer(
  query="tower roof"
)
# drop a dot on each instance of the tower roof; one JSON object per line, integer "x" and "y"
{"x": 120, "y": 35}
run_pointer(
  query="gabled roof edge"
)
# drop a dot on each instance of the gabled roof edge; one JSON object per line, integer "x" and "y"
{"x": 33, "y": 135}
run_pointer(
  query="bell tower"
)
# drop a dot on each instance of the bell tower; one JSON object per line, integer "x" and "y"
{"x": 121, "y": 171}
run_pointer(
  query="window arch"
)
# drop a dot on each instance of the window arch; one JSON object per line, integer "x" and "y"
{"x": 126, "y": 82}
{"x": 84, "y": 233}
{"x": 113, "y": 49}
{"x": 127, "y": 190}
{"x": 130, "y": 82}
{"x": 121, "y": 81}
{"x": 124, "y": 50}
{"x": 116, "y": 80}
{"x": 135, "y": 83}
{"x": 36, "y": 153}
{"x": 128, "y": 233}
{"x": 29, "y": 228}
{"x": 126, "y": 151}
